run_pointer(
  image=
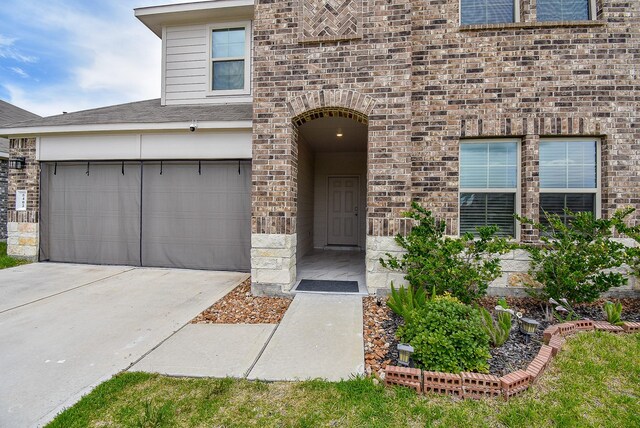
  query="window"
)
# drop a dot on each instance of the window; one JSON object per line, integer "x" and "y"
{"x": 229, "y": 67}
{"x": 488, "y": 11}
{"x": 489, "y": 185}
{"x": 568, "y": 176}
{"x": 563, "y": 10}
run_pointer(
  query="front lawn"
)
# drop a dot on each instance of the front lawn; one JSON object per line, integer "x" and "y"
{"x": 6, "y": 261}
{"x": 595, "y": 382}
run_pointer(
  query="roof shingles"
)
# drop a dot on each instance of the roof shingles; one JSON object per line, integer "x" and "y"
{"x": 149, "y": 111}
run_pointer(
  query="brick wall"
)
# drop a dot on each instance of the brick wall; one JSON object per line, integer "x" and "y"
{"x": 524, "y": 80}
{"x": 22, "y": 240}
{"x": 434, "y": 82}
{"x": 4, "y": 171}
{"x": 294, "y": 72}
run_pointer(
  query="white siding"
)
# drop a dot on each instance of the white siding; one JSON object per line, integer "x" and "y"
{"x": 225, "y": 144}
{"x": 186, "y": 68}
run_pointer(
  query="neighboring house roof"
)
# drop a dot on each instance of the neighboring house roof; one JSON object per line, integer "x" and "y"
{"x": 10, "y": 114}
{"x": 137, "y": 114}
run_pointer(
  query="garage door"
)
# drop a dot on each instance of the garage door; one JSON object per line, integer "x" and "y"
{"x": 167, "y": 214}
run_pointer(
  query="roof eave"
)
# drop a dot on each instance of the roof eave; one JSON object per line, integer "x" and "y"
{"x": 156, "y": 17}
{"x": 123, "y": 127}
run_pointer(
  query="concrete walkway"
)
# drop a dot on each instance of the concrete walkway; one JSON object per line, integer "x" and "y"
{"x": 66, "y": 328}
{"x": 320, "y": 336}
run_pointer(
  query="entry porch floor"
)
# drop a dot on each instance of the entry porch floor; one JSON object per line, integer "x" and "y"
{"x": 333, "y": 265}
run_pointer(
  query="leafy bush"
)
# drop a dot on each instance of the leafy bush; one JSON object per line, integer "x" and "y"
{"x": 447, "y": 336}
{"x": 575, "y": 260}
{"x": 404, "y": 300}
{"x": 613, "y": 312}
{"x": 497, "y": 329}
{"x": 462, "y": 266}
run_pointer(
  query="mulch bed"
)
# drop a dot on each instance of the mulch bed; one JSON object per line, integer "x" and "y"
{"x": 241, "y": 307}
{"x": 380, "y": 325}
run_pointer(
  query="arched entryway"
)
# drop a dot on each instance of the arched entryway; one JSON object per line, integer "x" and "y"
{"x": 331, "y": 198}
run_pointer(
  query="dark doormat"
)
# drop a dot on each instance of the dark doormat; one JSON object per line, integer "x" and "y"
{"x": 328, "y": 286}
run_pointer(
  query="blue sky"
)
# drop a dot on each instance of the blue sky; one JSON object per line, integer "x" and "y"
{"x": 70, "y": 55}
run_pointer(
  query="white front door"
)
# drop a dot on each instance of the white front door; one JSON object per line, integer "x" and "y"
{"x": 342, "y": 215}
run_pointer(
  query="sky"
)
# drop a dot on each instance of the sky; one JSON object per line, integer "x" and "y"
{"x": 71, "y": 55}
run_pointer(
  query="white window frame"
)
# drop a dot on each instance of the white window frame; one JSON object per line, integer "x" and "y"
{"x": 516, "y": 13}
{"x": 518, "y": 191}
{"x": 597, "y": 190}
{"x": 247, "y": 58}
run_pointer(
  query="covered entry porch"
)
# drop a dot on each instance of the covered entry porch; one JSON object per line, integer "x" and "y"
{"x": 332, "y": 200}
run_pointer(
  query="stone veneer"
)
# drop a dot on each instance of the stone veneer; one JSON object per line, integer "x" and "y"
{"x": 23, "y": 227}
{"x": 4, "y": 180}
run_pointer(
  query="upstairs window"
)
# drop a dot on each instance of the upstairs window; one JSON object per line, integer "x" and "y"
{"x": 489, "y": 185}
{"x": 563, "y": 10}
{"x": 487, "y": 11}
{"x": 568, "y": 176}
{"x": 229, "y": 67}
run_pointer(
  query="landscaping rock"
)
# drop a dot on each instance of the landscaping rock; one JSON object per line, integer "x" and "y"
{"x": 242, "y": 307}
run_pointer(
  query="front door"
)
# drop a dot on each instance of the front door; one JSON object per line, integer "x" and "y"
{"x": 342, "y": 214}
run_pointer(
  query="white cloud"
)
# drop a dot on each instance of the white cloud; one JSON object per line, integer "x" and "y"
{"x": 112, "y": 58}
{"x": 8, "y": 50}
{"x": 20, "y": 72}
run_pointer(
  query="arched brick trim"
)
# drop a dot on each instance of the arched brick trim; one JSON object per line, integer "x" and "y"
{"x": 330, "y": 112}
{"x": 338, "y": 101}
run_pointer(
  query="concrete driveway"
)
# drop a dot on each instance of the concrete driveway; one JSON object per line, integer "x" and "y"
{"x": 66, "y": 328}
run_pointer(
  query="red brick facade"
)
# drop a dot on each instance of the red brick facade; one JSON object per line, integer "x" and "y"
{"x": 431, "y": 83}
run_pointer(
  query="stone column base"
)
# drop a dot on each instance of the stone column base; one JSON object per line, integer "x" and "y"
{"x": 273, "y": 263}
{"x": 379, "y": 278}
{"x": 22, "y": 240}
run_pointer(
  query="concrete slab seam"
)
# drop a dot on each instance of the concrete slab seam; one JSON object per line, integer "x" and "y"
{"x": 66, "y": 291}
{"x": 248, "y": 371}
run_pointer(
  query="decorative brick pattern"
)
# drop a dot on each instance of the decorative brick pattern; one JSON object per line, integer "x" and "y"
{"x": 566, "y": 329}
{"x": 605, "y": 326}
{"x": 549, "y": 332}
{"x": 514, "y": 383}
{"x": 442, "y": 383}
{"x": 404, "y": 376}
{"x": 539, "y": 363}
{"x": 476, "y": 385}
{"x": 583, "y": 325}
{"x": 330, "y": 20}
{"x": 631, "y": 327}
{"x": 556, "y": 344}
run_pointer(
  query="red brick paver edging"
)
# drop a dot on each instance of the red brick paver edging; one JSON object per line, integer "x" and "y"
{"x": 476, "y": 385}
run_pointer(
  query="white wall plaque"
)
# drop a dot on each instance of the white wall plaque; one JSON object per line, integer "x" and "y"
{"x": 21, "y": 200}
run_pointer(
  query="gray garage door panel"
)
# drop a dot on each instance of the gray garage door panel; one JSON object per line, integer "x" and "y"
{"x": 197, "y": 216}
{"x": 91, "y": 218}
{"x": 191, "y": 215}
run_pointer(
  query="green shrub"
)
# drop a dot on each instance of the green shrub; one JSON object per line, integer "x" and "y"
{"x": 447, "y": 336}
{"x": 462, "y": 266}
{"x": 613, "y": 312}
{"x": 576, "y": 259}
{"x": 404, "y": 300}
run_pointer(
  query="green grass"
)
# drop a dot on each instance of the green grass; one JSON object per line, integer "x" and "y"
{"x": 6, "y": 261}
{"x": 595, "y": 382}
